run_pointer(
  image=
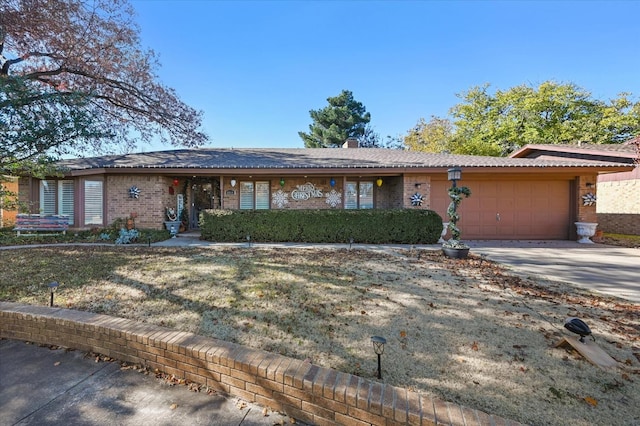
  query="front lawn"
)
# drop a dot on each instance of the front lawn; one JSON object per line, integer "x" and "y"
{"x": 464, "y": 331}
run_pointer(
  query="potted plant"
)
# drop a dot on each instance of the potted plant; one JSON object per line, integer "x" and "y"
{"x": 172, "y": 223}
{"x": 131, "y": 220}
{"x": 454, "y": 247}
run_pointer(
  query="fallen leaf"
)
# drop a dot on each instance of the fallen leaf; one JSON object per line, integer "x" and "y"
{"x": 474, "y": 346}
{"x": 403, "y": 334}
{"x": 56, "y": 363}
{"x": 173, "y": 406}
{"x": 265, "y": 412}
{"x": 591, "y": 401}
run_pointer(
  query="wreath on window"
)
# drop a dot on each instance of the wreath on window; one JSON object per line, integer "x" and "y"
{"x": 134, "y": 192}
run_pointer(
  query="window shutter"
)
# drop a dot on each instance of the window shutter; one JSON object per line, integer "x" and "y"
{"x": 47, "y": 197}
{"x": 351, "y": 195}
{"x": 366, "y": 195}
{"x": 93, "y": 214}
{"x": 246, "y": 195}
{"x": 65, "y": 199}
{"x": 262, "y": 195}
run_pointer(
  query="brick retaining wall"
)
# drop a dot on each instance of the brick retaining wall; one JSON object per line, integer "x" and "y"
{"x": 313, "y": 394}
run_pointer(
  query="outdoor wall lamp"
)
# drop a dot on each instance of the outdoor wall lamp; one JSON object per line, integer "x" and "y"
{"x": 378, "y": 347}
{"x": 233, "y": 183}
{"x": 176, "y": 182}
{"x": 418, "y": 185}
{"x": 332, "y": 182}
{"x": 52, "y": 289}
{"x": 282, "y": 182}
{"x": 589, "y": 185}
{"x": 379, "y": 182}
{"x": 454, "y": 175}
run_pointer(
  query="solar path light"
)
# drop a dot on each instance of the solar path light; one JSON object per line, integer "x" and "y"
{"x": 378, "y": 347}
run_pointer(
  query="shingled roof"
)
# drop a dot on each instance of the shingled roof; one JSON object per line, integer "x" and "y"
{"x": 295, "y": 159}
{"x": 616, "y": 153}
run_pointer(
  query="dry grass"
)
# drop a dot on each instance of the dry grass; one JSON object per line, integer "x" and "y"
{"x": 465, "y": 331}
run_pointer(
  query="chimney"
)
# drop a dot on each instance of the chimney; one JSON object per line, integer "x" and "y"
{"x": 351, "y": 143}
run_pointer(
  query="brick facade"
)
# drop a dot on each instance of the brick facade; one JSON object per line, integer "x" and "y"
{"x": 149, "y": 207}
{"x": 304, "y": 391}
{"x": 618, "y": 206}
{"x": 585, "y": 184}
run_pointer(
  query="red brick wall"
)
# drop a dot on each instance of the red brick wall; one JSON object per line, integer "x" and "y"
{"x": 149, "y": 207}
{"x": 304, "y": 391}
{"x": 584, "y": 185}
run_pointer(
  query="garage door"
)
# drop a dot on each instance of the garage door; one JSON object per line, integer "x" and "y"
{"x": 502, "y": 210}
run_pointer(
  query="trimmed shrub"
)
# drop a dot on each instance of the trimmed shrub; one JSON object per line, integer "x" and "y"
{"x": 399, "y": 226}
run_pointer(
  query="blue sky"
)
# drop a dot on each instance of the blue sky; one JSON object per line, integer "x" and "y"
{"x": 256, "y": 68}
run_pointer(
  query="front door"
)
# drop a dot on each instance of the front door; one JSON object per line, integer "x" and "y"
{"x": 205, "y": 195}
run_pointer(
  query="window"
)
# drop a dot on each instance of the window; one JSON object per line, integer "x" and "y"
{"x": 65, "y": 199}
{"x": 57, "y": 197}
{"x": 358, "y": 195}
{"x": 254, "y": 195}
{"x": 48, "y": 197}
{"x": 93, "y": 196}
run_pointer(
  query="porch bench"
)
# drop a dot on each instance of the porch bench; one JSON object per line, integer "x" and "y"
{"x": 33, "y": 223}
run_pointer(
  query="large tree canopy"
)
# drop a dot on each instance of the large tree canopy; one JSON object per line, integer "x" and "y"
{"x": 552, "y": 113}
{"x": 74, "y": 79}
{"x": 343, "y": 118}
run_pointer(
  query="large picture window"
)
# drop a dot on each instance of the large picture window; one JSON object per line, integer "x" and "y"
{"x": 254, "y": 195}
{"x": 358, "y": 195}
{"x": 57, "y": 198}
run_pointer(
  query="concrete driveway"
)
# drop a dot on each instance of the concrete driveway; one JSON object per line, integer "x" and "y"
{"x": 605, "y": 269}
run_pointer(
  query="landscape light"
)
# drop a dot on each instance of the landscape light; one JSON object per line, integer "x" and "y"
{"x": 52, "y": 289}
{"x": 378, "y": 347}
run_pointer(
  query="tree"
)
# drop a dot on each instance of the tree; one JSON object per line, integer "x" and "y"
{"x": 552, "y": 113}
{"x": 79, "y": 63}
{"x": 343, "y": 118}
{"x": 372, "y": 139}
{"x": 433, "y": 136}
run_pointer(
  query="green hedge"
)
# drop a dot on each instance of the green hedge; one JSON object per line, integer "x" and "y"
{"x": 401, "y": 226}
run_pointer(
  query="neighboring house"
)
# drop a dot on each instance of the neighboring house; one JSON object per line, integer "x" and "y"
{"x": 618, "y": 200}
{"x": 511, "y": 198}
{"x": 8, "y": 216}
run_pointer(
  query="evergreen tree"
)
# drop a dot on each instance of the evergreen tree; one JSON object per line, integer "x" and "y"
{"x": 343, "y": 118}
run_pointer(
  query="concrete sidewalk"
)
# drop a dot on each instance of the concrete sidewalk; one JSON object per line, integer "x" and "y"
{"x": 41, "y": 386}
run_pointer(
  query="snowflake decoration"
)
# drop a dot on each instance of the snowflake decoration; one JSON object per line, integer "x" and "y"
{"x": 134, "y": 192}
{"x": 417, "y": 199}
{"x": 280, "y": 198}
{"x": 588, "y": 199}
{"x": 334, "y": 198}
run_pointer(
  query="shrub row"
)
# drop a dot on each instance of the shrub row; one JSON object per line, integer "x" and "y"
{"x": 399, "y": 226}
